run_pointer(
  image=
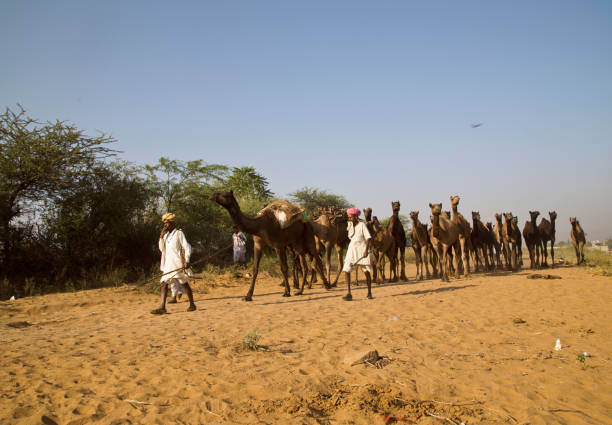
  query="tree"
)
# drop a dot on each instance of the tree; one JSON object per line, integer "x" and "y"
{"x": 311, "y": 198}
{"x": 37, "y": 161}
{"x": 104, "y": 223}
{"x": 172, "y": 179}
{"x": 248, "y": 184}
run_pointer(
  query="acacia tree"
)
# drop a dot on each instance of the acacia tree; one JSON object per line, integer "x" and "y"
{"x": 311, "y": 198}
{"x": 247, "y": 183}
{"x": 37, "y": 162}
{"x": 173, "y": 179}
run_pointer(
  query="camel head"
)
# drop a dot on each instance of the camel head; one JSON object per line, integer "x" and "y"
{"x": 534, "y": 215}
{"x": 367, "y": 213}
{"x": 573, "y": 221}
{"x": 508, "y": 217}
{"x": 552, "y": 215}
{"x": 454, "y": 200}
{"x": 498, "y": 217}
{"x": 225, "y": 199}
{"x": 414, "y": 215}
{"x": 395, "y": 206}
{"x": 475, "y": 215}
{"x": 436, "y": 209}
{"x": 489, "y": 226}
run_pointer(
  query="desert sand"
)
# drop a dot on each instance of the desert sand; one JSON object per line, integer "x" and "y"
{"x": 477, "y": 350}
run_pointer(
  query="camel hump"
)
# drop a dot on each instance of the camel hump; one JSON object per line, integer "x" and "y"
{"x": 284, "y": 212}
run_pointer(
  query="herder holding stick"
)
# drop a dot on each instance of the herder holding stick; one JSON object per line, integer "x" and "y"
{"x": 357, "y": 253}
{"x": 175, "y": 255}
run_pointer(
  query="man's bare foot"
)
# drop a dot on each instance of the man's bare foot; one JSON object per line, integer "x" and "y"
{"x": 159, "y": 311}
{"x": 192, "y": 307}
{"x": 347, "y": 297}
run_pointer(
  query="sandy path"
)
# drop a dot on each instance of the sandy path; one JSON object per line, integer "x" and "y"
{"x": 478, "y": 350}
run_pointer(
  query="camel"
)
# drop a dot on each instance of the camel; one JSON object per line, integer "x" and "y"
{"x": 492, "y": 246}
{"x": 532, "y": 240}
{"x": 444, "y": 236}
{"x": 420, "y": 244}
{"x": 481, "y": 242}
{"x": 464, "y": 234}
{"x": 519, "y": 243}
{"x": 383, "y": 243}
{"x": 330, "y": 229}
{"x": 266, "y": 229}
{"x": 546, "y": 229}
{"x": 578, "y": 239}
{"x": 397, "y": 230}
{"x": 511, "y": 236}
{"x": 498, "y": 241}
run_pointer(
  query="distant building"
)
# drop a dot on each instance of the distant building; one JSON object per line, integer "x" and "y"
{"x": 600, "y": 246}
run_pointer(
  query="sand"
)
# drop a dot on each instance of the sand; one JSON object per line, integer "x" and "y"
{"x": 477, "y": 351}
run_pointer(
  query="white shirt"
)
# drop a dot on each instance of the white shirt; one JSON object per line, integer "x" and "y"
{"x": 176, "y": 251}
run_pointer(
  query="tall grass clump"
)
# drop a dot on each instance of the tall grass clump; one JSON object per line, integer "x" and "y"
{"x": 600, "y": 261}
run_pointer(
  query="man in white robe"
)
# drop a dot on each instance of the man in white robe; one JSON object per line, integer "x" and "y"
{"x": 175, "y": 255}
{"x": 239, "y": 239}
{"x": 358, "y": 253}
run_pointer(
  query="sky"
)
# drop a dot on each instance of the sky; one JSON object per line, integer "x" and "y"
{"x": 373, "y": 101}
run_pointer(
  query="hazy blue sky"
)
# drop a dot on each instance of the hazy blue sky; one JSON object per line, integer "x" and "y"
{"x": 371, "y": 100}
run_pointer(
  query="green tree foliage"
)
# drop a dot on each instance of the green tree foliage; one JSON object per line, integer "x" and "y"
{"x": 172, "y": 179}
{"x": 247, "y": 183}
{"x": 105, "y": 222}
{"x": 311, "y": 198}
{"x": 37, "y": 162}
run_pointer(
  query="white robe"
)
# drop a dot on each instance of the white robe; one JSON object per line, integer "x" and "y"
{"x": 239, "y": 246}
{"x": 176, "y": 252}
{"x": 358, "y": 235}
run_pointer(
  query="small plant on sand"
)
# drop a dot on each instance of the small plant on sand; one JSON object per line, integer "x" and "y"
{"x": 250, "y": 341}
{"x": 581, "y": 358}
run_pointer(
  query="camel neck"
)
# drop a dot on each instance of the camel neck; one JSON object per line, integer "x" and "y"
{"x": 248, "y": 224}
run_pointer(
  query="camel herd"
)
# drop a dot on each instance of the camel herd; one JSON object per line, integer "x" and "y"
{"x": 449, "y": 245}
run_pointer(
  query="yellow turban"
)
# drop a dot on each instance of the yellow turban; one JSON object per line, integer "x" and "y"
{"x": 168, "y": 217}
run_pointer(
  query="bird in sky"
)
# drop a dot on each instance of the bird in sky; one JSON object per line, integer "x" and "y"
{"x": 476, "y": 125}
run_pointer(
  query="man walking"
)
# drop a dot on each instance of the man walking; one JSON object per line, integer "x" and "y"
{"x": 175, "y": 255}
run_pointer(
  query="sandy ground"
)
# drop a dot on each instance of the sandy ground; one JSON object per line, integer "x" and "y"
{"x": 477, "y": 350}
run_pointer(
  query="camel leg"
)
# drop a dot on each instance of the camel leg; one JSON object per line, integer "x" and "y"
{"x": 317, "y": 264}
{"x": 582, "y": 252}
{"x": 340, "y": 263}
{"x": 465, "y": 257}
{"x": 577, "y": 253}
{"x": 402, "y": 260}
{"x": 328, "y": 251}
{"x": 531, "y": 256}
{"x": 256, "y": 259}
{"x": 508, "y": 258}
{"x": 424, "y": 256}
{"x": 443, "y": 259}
{"x": 552, "y": 253}
{"x": 304, "y": 263}
{"x": 418, "y": 262}
{"x": 544, "y": 262}
{"x": 282, "y": 257}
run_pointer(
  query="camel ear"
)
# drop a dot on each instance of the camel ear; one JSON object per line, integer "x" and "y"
{"x": 430, "y": 206}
